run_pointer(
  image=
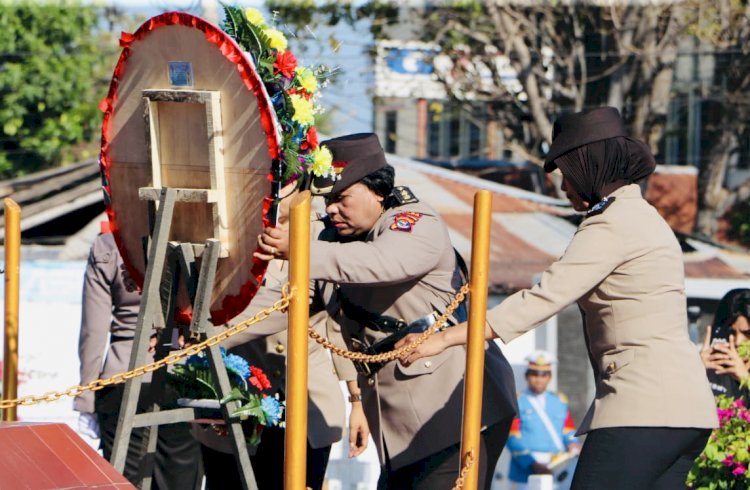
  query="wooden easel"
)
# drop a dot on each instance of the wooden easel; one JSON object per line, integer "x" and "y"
{"x": 167, "y": 262}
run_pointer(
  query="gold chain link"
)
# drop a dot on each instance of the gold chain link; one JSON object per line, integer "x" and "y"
{"x": 394, "y": 354}
{"x": 51, "y": 396}
{"x": 280, "y": 305}
{"x": 468, "y": 463}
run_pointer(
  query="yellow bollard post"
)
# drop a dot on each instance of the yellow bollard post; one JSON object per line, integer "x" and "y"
{"x": 480, "y": 258}
{"x": 12, "y": 270}
{"x": 295, "y": 444}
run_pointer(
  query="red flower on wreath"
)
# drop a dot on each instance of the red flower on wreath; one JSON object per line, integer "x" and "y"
{"x": 285, "y": 64}
{"x": 311, "y": 142}
{"x": 259, "y": 379}
{"x": 301, "y": 92}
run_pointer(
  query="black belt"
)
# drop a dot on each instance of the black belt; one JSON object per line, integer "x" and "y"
{"x": 368, "y": 369}
{"x": 119, "y": 338}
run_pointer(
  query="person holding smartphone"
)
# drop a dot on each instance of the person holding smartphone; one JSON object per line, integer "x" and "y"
{"x": 725, "y": 366}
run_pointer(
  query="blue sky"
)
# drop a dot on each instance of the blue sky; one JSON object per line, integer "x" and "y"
{"x": 348, "y": 101}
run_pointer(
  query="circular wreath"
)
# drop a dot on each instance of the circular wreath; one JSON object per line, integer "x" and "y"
{"x": 293, "y": 90}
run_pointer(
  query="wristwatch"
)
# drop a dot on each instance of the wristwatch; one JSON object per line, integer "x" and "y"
{"x": 355, "y": 398}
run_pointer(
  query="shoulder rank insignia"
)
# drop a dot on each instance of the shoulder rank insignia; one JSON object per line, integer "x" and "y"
{"x": 404, "y": 195}
{"x": 405, "y": 221}
{"x": 600, "y": 206}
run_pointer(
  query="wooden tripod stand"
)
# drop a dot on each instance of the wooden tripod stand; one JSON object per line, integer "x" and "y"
{"x": 157, "y": 309}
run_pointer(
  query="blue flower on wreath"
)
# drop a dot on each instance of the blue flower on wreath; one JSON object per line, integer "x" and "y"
{"x": 237, "y": 365}
{"x": 299, "y": 136}
{"x": 199, "y": 360}
{"x": 234, "y": 363}
{"x": 277, "y": 99}
{"x": 272, "y": 408}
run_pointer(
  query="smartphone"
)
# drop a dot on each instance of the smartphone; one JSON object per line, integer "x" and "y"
{"x": 720, "y": 334}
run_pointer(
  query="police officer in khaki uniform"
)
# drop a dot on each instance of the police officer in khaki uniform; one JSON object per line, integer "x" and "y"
{"x": 387, "y": 266}
{"x": 264, "y": 345}
{"x": 110, "y": 309}
{"x": 653, "y": 410}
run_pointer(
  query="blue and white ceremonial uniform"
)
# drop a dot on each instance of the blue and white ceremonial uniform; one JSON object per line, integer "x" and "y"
{"x": 532, "y": 439}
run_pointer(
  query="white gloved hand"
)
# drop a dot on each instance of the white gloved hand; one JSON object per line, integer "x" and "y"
{"x": 88, "y": 425}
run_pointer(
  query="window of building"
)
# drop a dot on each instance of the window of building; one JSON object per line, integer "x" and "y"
{"x": 391, "y": 131}
{"x": 454, "y": 133}
{"x": 434, "y": 127}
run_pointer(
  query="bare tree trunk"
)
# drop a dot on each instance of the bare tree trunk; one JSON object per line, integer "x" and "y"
{"x": 525, "y": 74}
{"x": 712, "y": 196}
{"x": 623, "y": 33}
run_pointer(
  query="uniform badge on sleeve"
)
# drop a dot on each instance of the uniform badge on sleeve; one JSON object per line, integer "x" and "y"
{"x": 405, "y": 221}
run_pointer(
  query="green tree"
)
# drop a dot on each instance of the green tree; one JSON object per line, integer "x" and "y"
{"x": 53, "y": 73}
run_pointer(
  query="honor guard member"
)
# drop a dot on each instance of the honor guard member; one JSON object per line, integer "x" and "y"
{"x": 544, "y": 430}
{"x": 390, "y": 262}
{"x": 110, "y": 310}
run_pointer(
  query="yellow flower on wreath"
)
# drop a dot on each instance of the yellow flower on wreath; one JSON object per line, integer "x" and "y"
{"x": 304, "y": 112}
{"x": 276, "y": 39}
{"x": 254, "y": 17}
{"x": 306, "y": 79}
{"x": 322, "y": 160}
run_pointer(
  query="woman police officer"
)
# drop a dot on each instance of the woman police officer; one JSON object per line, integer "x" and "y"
{"x": 653, "y": 410}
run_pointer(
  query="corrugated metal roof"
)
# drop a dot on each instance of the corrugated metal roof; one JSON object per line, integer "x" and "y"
{"x": 529, "y": 230}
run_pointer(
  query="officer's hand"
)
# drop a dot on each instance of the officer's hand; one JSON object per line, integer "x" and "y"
{"x": 152, "y": 341}
{"x": 540, "y": 469}
{"x": 574, "y": 448}
{"x": 273, "y": 243}
{"x": 432, "y": 346}
{"x": 359, "y": 431}
{"x": 88, "y": 425}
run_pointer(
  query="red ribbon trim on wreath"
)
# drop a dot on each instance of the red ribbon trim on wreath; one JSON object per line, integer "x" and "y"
{"x": 231, "y": 305}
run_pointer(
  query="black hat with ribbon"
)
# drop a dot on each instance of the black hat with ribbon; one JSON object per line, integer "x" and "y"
{"x": 595, "y": 153}
{"x": 354, "y": 157}
{"x": 574, "y": 130}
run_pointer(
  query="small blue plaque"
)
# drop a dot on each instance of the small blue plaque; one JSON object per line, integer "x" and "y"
{"x": 180, "y": 73}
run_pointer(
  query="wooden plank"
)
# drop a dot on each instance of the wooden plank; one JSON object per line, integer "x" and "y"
{"x": 215, "y": 133}
{"x": 183, "y": 195}
{"x": 148, "y": 315}
{"x": 179, "y": 95}
{"x": 200, "y": 325}
{"x": 152, "y": 140}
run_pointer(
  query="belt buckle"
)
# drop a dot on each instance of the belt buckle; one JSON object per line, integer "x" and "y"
{"x": 361, "y": 367}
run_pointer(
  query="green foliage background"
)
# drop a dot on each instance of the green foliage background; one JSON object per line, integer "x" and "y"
{"x": 55, "y": 63}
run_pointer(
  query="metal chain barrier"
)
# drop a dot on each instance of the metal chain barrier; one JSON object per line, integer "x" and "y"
{"x": 464, "y": 471}
{"x": 394, "y": 354}
{"x": 280, "y": 305}
{"x": 51, "y": 396}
